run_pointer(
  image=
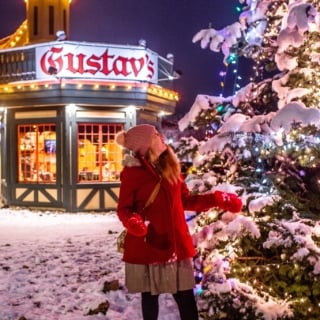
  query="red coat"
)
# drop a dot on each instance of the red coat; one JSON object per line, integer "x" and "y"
{"x": 168, "y": 232}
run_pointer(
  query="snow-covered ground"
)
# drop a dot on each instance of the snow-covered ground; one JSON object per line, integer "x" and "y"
{"x": 53, "y": 266}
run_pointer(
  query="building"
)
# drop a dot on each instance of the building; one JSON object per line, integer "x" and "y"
{"x": 62, "y": 102}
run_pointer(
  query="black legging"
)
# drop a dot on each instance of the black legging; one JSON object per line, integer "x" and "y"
{"x": 185, "y": 300}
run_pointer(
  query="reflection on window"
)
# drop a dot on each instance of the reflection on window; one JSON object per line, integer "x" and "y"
{"x": 37, "y": 153}
{"x": 99, "y": 157}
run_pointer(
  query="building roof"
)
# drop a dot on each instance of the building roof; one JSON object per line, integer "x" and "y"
{"x": 16, "y": 39}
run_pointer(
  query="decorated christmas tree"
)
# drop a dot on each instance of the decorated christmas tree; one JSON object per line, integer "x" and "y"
{"x": 262, "y": 143}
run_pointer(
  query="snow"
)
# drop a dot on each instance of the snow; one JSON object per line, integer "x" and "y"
{"x": 300, "y": 232}
{"x": 295, "y": 112}
{"x": 223, "y": 39}
{"x": 202, "y": 102}
{"x": 271, "y": 125}
{"x": 299, "y": 19}
{"x": 256, "y": 205}
{"x": 54, "y": 265}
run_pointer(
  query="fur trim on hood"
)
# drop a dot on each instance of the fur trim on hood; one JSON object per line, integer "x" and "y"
{"x": 130, "y": 161}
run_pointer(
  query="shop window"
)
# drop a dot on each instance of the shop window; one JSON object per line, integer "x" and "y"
{"x": 99, "y": 157}
{"x": 37, "y": 153}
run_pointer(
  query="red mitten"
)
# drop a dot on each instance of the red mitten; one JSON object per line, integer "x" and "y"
{"x": 136, "y": 226}
{"x": 228, "y": 201}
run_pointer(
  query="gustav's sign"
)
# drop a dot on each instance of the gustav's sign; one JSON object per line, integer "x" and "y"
{"x": 117, "y": 63}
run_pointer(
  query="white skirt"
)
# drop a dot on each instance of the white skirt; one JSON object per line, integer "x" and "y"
{"x": 167, "y": 277}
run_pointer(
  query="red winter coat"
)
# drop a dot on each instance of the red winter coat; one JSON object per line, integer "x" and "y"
{"x": 168, "y": 232}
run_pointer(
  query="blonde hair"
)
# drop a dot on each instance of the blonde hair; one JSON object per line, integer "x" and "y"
{"x": 169, "y": 166}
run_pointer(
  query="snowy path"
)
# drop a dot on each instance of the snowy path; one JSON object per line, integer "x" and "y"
{"x": 53, "y": 267}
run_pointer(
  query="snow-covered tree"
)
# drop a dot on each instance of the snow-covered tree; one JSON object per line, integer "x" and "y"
{"x": 264, "y": 144}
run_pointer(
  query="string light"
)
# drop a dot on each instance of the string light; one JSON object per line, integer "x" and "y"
{"x": 38, "y": 85}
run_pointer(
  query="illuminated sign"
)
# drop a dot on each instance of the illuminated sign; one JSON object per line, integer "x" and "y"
{"x": 67, "y": 60}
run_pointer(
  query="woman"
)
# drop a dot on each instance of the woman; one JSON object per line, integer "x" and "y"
{"x": 158, "y": 248}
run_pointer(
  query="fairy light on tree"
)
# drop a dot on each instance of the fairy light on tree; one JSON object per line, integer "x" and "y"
{"x": 264, "y": 145}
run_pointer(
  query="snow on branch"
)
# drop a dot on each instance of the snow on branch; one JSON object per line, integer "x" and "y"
{"x": 224, "y": 39}
{"x": 281, "y": 121}
{"x": 295, "y": 113}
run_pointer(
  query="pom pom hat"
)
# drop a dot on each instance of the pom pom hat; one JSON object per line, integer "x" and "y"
{"x": 137, "y": 139}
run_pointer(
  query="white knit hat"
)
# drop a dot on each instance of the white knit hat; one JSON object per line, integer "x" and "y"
{"x": 137, "y": 139}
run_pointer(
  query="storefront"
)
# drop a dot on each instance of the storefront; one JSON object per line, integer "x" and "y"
{"x": 62, "y": 104}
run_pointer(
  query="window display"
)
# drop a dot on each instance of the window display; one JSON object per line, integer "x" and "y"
{"x": 99, "y": 158}
{"x": 37, "y": 153}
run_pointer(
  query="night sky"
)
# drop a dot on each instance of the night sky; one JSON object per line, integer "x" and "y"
{"x": 167, "y": 25}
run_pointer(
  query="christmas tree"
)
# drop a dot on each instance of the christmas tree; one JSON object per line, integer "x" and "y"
{"x": 262, "y": 143}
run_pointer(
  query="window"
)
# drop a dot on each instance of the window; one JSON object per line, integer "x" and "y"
{"x": 99, "y": 157}
{"x": 37, "y": 153}
{"x": 65, "y": 20}
{"x": 35, "y": 21}
{"x": 51, "y": 19}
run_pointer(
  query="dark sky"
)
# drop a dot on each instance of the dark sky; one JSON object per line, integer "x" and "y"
{"x": 167, "y": 25}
